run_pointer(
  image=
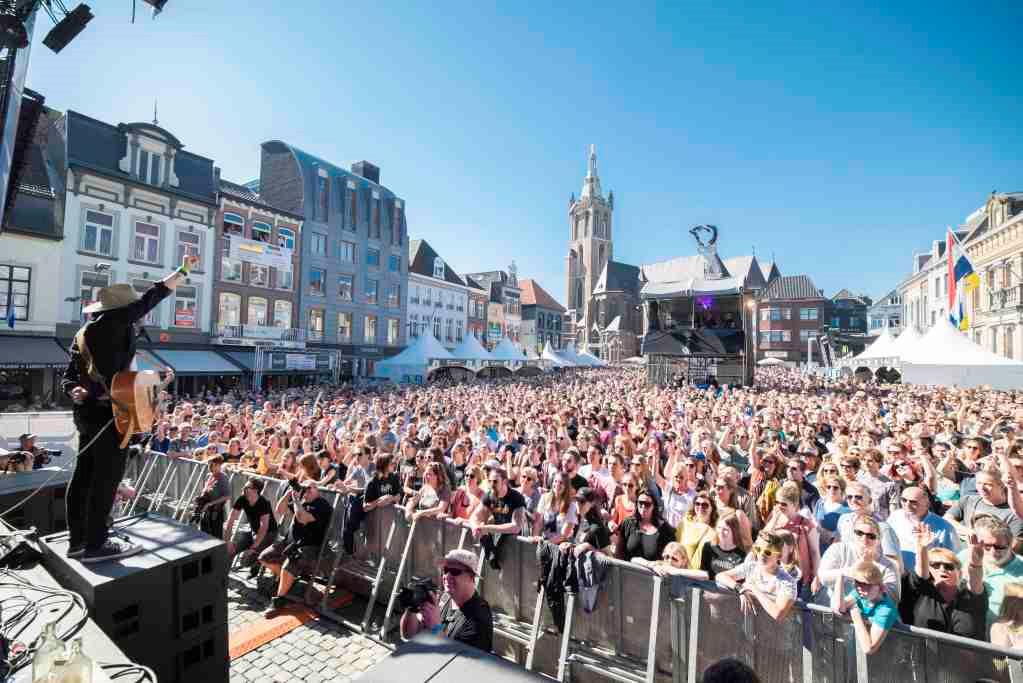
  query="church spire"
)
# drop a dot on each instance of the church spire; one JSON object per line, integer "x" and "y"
{"x": 591, "y": 184}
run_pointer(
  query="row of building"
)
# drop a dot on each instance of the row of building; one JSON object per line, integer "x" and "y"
{"x": 992, "y": 239}
{"x": 312, "y": 258}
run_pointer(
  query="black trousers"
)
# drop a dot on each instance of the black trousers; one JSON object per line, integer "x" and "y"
{"x": 98, "y": 472}
{"x": 356, "y": 515}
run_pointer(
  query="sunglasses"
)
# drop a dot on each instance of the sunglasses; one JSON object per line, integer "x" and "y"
{"x": 994, "y": 546}
{"x": 863, "y": 585}
{"x": 948, "y": 566}
{"x": 453, "y": 571}
{"x": 701, "y": 504}
{"x": 833, "y": 488}
{"x": 764, "y": 552}
{"x": 630, "y": 486}
{"x": 644, "y": 503}
{"x": 865, "y": 534}
{"x": 854, "y": 496}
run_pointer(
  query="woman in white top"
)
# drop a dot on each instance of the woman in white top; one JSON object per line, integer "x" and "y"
{"x": 760, "y": 580}
{"x": 557, "y": 514}
{"x": 841, "y": 557}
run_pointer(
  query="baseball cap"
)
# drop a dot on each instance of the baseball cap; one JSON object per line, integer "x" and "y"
{"x": 463, "y": 559}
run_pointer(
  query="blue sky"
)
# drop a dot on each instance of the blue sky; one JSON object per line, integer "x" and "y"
{"x": 839, "y": 139}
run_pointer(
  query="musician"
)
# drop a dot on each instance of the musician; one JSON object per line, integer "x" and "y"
{"x": 104, "y": 346}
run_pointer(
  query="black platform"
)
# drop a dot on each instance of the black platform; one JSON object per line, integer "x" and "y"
{"x": 435, "y": 659}
{"x": 166, "y": 607}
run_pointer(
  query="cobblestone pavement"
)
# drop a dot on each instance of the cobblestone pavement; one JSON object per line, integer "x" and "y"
{"x": 315, "y": 652}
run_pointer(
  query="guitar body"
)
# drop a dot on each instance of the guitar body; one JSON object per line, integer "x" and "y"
{"x": 135, "y": 397}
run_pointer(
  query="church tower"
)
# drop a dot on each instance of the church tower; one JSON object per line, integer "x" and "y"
{"x": 589, "y": 250}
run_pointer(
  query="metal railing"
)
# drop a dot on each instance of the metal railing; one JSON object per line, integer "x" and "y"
{"x": 641, "y": 628}
{"x": 1007, "y": 297}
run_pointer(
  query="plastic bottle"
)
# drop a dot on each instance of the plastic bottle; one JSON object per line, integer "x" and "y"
{"x": 50, "y": 649}
{"x": 78, "y": 668}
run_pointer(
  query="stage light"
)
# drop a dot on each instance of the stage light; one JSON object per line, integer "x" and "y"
{"x": 68, "y": 28}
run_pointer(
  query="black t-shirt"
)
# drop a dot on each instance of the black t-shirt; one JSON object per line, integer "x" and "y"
{"x": 456, "y": 473}
{"x": 253, "y": 513}
{"x": 715, "y": 560}
{"x": 341, "y": 469}
{"x": 922, "y": 606}
{"x": 648, "y": 546}
{"x": 472, "y": 624}
{"x": 313, "y": 532}
{"x": 593, "y": 530}
{"x": 577, "y": 482}
{"x": 503, "y": 509}
{"x": 379, "y": 487}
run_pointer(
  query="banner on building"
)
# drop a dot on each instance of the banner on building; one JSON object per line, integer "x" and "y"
{"x": 260, "y": 253}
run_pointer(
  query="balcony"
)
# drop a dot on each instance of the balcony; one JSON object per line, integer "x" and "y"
{"x": 250, "y": 335}
{"x": 1007, "y": 297}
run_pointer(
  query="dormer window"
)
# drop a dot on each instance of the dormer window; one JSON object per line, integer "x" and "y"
{"x": 438, "y": 268}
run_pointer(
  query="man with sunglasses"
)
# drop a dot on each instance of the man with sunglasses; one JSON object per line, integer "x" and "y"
{"x": 463, "y": 614}
{"x": 991, "y": 549}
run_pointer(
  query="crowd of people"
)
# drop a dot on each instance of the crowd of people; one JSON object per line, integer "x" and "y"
{"x": 885, "y": 503}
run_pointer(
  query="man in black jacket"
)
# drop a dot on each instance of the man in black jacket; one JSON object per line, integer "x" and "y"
{"x": 104, "y": 346}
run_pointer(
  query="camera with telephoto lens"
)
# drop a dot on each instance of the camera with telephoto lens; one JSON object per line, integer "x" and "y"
{"x": 295, "y": 486}
{"x": 413, "y": 596}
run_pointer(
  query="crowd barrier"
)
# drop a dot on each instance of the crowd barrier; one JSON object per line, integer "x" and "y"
{"x": 642, "y": 629}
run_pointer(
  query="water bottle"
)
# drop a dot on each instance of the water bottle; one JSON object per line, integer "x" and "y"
{"x": 50, "y": 649}
{"x": 78, "y": 668}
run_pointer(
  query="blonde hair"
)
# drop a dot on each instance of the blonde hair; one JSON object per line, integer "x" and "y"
{"x": 788, "y": 493}
{"x": 1012, "y": 606}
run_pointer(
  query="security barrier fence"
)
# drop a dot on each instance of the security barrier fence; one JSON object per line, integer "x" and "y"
{"x": 642, "y": 628}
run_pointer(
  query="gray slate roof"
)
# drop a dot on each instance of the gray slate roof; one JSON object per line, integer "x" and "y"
{"x": 792, "y": 287}
{"x": 421, "y": 258}
{"x": 245, "y": 194}
{"x": 618, "y": 277}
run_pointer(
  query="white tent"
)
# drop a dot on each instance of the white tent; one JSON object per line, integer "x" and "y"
{"x": 880, "y": 348}
{"x": 588, "y": 358}
{"x": 945, "y": 356}
{"x": 471, "y": 349}
{"x": 531, "y": 354}
{"x": 635, "y": 360}
{"x": 555, "y": 358}
{"x": 770, "y": 361}
{"x": 409, "y": 366}
{"x": 904, "y": 343}
{"x": 506, "y": 350}
{"x": 569, "y": 354}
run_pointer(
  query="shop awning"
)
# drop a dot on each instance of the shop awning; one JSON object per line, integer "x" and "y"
{"x": 191, "y": 363}
{"x": 247, "y": 359}
{"x": 29, "y": 353}
{"x": 144, "y": 360}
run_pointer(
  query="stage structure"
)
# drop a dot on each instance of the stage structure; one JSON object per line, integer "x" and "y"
{"x": 696, "y": 323}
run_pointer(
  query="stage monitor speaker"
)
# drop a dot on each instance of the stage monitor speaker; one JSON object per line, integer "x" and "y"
{"x": 165, "y": 607}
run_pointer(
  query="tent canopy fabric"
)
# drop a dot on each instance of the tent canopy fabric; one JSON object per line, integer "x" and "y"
{"x": 771, "y": 361}
{"x": 945, "y": 345}
{"x": 506, "y": 350}
{"x": 879, "y": 348}
{"x": 591, "y": 360}
{"x": 554, "y": 357}
{"x": 691, "y": 287}
{"x": 18, "y": 352}
{"x": 471, "y": 349}
{"x": 906, "y": 340}
{"x": 425, "y": 348}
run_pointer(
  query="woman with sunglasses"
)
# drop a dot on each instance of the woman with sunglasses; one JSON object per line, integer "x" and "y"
{"x": 466, "y": 498}
{"x": 788, "y": 515}
{"x": 871, "y": 609}
{"x": 697, "y": 528}
{"x": 760, "y": 581}
{"x": 557, "y": 513}
{"x": 763, "y": 480}
{"x": 530, "y": 490}
{"x": 644, "y": 534}
{"x": 863, "y": 543}
{"x": 933, "y": 594}
{"x": 625, "y": 503}
{"x": 829, "y": 508}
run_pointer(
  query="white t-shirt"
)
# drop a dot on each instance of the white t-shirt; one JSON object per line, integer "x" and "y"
{"x": 779, "y": 585}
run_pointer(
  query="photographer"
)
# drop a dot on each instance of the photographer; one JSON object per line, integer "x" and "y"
{"x": 464, "y": 615}
{"x": 262, "y": 525}
{"x": 296, "y": 556}
{"x": 28, "y": 457}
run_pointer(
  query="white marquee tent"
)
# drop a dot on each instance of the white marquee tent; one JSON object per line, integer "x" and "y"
{"x": 904, "y": 343}
{"x": 569, "y": 354}
{"x": 879, "y": 350}
{"x": 471, "y": 349}
{"x": 589, "y": 359}
{"x": 554, "y": 357}
{"x": 410, "y": 366}
{"x": 945, "y": 356}
{"x": 506, "y": 350}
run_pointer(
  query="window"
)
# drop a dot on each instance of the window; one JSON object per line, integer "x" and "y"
{"x": 352, "y": 206}
{"x": 261, "y": 232}
{"x": 146, "y": 243}
{"x": 89, "y": 286}
{"x": 415, "y": 295}
{"x": 98, "y": 235}
{"x": 458, "y": 331}
{"x": 438, "y": 268}
{"x": 149, "y": 167}
{"x": 286, "y": 238}
{"x": 459, "y": 304}
{"x": 344, "y": 326}
{"x": 436, "y": 327}
{"x": 836, "y": 322}
{"x": 373, "y": 257}
{"x": 428, "y": 299}
{"x": 141, "y": 286}
{"x": 317, "y": 281}
{"x": 189, "y": 244}
{"x": 807, "y": 313}
{"x": 229, "y": 311}
{"x": 806, "y": 334}
{"x": 345, "y": 287}
{"x": 374, "y": 223}
{"x": 315, "y": 331}
{"x": 286, "y": 279}
{"x": 394, "y": 296}
{"x": 347, "y": 252}
{"x": 414, "y": 324}
{"x": 234, "y": 225}
{"x": 393, "y": 263}
{"x": 318, "y": 244}
{"x": 396, "y": 222}
{"x": 372, "y": 291}
{"x": 323, "y": 205}
{"x": 186, "y": 306}
{"x": 370, "y": 331}
{"x": 937, "y": 287}
{"x": 257, "y": 311}
{"x": 282, "y": 314}
{"x": 259, "y": 275}
{"x": 392, "y": 330}
{"x": 1007, "y": 342}
{"x": 15, "y": 286}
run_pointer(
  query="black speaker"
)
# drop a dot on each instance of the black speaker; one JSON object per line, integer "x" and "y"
{"x": 45, "y": 509}
{"x": 68, "y": 28}
{"x": 165, "y": 607}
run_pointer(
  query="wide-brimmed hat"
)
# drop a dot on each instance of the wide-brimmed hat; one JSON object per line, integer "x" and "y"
{"x": 109, "y": 298}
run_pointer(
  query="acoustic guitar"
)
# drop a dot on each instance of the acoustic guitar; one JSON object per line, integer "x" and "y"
{"x": 135, "y": 397}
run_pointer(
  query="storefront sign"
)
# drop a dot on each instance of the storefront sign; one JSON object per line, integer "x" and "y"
{"x": 261, "y": 253}
{"x": 776, "y": 354}
{"x": 184, "y": 318}
{"x": 299, "y": 361}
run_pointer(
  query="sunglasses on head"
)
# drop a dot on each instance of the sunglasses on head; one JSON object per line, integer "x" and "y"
{"x": 865, "y": 534}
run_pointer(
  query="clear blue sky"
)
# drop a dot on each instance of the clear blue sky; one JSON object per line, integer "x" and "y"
{"x": 838, "y": 139}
